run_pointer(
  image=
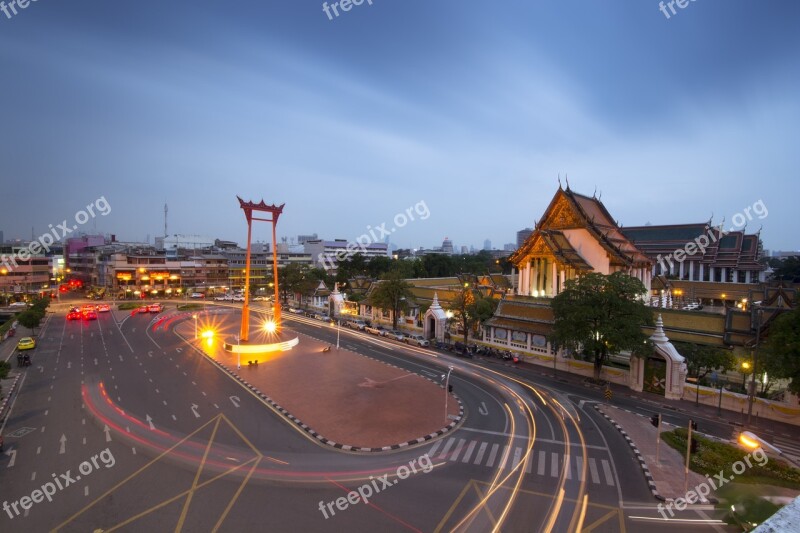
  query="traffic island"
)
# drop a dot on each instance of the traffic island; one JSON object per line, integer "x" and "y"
{"x": 343, "y": 399}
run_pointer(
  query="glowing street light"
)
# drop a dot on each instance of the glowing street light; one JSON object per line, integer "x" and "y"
{"x": 208, "y": 335}
{"x": 270, "y": 326}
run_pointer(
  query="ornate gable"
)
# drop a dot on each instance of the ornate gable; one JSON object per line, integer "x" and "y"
{"x": 562, "y": 215}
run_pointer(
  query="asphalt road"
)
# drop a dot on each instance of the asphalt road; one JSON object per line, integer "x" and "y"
{"x": 131, "y": 429}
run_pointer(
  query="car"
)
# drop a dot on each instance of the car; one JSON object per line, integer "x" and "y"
{"x": 87, "y": 308}
{"x": 197, "y": 295}
{"x": 296, "y": 310}
{"x": 74, "y": 315}
{"x": 103, "y": 308}
{"x": 74, "y": 309}
{"x": 18, "y": 304}
{"x": 376, "y": 330}
{"x": 396, "y": 335}
{"x": 155, "y": 308}
{"x": 222, "y": 298}
{"x": 26, "y": 343}
{"x": 261, "y": 299}
{"x": 419, "y": 340}
{"x": 143, "y": 309}
{"x": 360, "y": 325}
{"x": 90, "y": 315}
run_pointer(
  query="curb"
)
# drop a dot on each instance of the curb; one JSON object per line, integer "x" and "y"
{"x": 337, "y": 445}
{"x": 10, "y": 393}
{"x": 648, "y": 476}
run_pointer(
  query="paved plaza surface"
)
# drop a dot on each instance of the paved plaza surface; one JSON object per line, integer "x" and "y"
{"x": 345, "y": 397}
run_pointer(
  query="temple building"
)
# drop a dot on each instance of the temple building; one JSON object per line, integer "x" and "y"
{"x": 575, "y": 235}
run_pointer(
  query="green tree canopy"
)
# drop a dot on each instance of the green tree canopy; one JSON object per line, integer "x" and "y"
{"x": 702, "y": 359}
{"x": 601, "y": 315}
{"x": 782, "y": 348}
{"x": 31, "y": 318}
{"x": 393, "y": 292}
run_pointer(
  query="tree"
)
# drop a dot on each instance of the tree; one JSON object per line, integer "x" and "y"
{"x": 393, "y": 292}
{"x": 294, "y": 278}
{"x": 31, "y": 318}
{"x": 601, "y": 315}
{"x": 782, "y": 349}
{"x": 787, "y": 269}
{"x": 702, "y": 359}
{"x": 470, "y": 309}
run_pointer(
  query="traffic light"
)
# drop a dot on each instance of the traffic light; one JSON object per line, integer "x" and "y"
{"x": 655, "y": 419}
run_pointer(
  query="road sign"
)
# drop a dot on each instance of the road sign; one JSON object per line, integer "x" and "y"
{"x": 608, "y": 394}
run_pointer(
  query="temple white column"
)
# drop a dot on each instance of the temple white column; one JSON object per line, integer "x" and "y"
{"x": 724, "y": 274}
{"x": 528, "y": 278}
{"x": 701, "y": 273}
{"x": 691, "y": 270}
{"x": 563, "y": 278}
{"x": 747, "y": 276}
{"x": 535, "y": 284}
{"x": 554, "y": 284}
{"x": 680, "y": 271}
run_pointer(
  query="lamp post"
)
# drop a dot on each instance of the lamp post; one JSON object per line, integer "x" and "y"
{"x": 447, "y": 391}
{"x": 194, "y": 316}
{"x": 752, "y": 391}
{"x": 238, "y": 355}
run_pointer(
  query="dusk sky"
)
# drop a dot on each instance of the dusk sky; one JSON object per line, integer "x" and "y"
{"x": 473, "y": 108}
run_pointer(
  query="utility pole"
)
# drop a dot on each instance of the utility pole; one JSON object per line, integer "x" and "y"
{"x": 751, "y": 397}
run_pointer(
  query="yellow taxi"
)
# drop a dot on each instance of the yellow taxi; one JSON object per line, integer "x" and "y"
{"x": 26, "y": 343}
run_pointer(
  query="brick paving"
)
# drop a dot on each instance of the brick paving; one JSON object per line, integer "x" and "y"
{"x": 345, "y": 397}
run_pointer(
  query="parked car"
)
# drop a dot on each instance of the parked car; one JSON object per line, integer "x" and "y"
{"x": 376, "y": 330}
{"x": 103, "y": 308}
{"x": 18, "y": 304}
{"x": 238, "y": 298}
{"x": 360, "y": 325}
{"x": 26, "y": 343}
{"x": 396, "y": 335}
{"x": 223, "y": 298}
{"x": 419, "y": 340}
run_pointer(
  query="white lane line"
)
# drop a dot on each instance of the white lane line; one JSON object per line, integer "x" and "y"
{"x": 579, "y": 464}
{"x": 38, "y": 450}
{"x": 86, "y": 490}
{"x": 607, "y": 472}
{"x": 529, "y": 468}
{"x": 457, "y": 452}
{"x": 33, "y": 476}
{"x": 567, "y": 467}
{"x": 517, "y": 457}
{"x": 481, "y": 451}
{"x": 553, "y": 464}
{"x": 593, "y": 471}
{"x": 133, "y": 450}
{"x": 435, "y": 447}
{"x": 468, "y": 453}
{"x": 173, "y": 417}
{"x": 492, "y": 455}
{"x": 447, "y": 446}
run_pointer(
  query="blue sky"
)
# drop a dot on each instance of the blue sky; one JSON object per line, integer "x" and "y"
{"x": 471, "y": 107}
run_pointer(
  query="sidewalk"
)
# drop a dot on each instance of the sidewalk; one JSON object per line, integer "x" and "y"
{"x": 668, "y": 473}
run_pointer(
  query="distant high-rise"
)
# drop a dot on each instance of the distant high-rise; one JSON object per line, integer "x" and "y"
{"x": 447, "y": 246}
{"x": 509, "y": 247}
{"x": 464, "y": 250}
{"x": 2, "y": 240}
{"x": 522, "y": 236}
{"x": 487, "y": 244}
{"x": 302, "y": 239}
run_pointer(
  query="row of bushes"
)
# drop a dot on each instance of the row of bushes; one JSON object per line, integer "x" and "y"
{"x": 713, "y": 457}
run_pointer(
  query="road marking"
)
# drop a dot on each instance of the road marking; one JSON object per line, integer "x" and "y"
{"x": 42, "y": 429}
{"x": 482, "y": 409}
{"x": 567, "y": 467}
{"x": 492, "y": 455}
{"x": 33, "y": 476}
{"x": 468, "y": 453}
{"x": 158, "y": 391}
{"x": 593, "y": 471}
{"x": 13, "y": 455}
{"x": 84, "y": 440}
{"x": 38, "y": 450}
{"x": 173, "y": 417}
{"x": 86, "y": 490}
{"x": 447, "y": 446}
{"x": 83, "y": 421}
{"x": 579, "y": 464}
{"x": 607, "y": 472}
{"x": 529, "y": 468}
{"x": 548, "y": 441}
{"x": 481, "y": 451}
{"x": 204, "y": 394}
{"x": 517, "y": 457}
{"x": 553, "y": 464}
{"x": 217, "y": 406}
{"x": 133, "y": 450}
{"x": 107, "y": 431}
{"x": 194, "y": 410}
{"x": 46, "y": 411}
{"x": 431, "y": 452}
{"x": 460, "y": 447}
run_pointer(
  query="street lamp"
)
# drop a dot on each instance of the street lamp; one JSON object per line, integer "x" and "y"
{"x": 752, "y": 391}
{"x": 446, "y": 391}
{"x": 745, "y": 367}
{"x": 194, "y": 316}
{"x": 337, "y": 332}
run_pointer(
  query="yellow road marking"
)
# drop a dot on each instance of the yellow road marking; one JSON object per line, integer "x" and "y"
{"x": 200, "y": 467}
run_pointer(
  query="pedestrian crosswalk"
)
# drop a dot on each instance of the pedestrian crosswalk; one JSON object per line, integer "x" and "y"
{"x": 543, "y": 463}
{"x": 787, "y": 446}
